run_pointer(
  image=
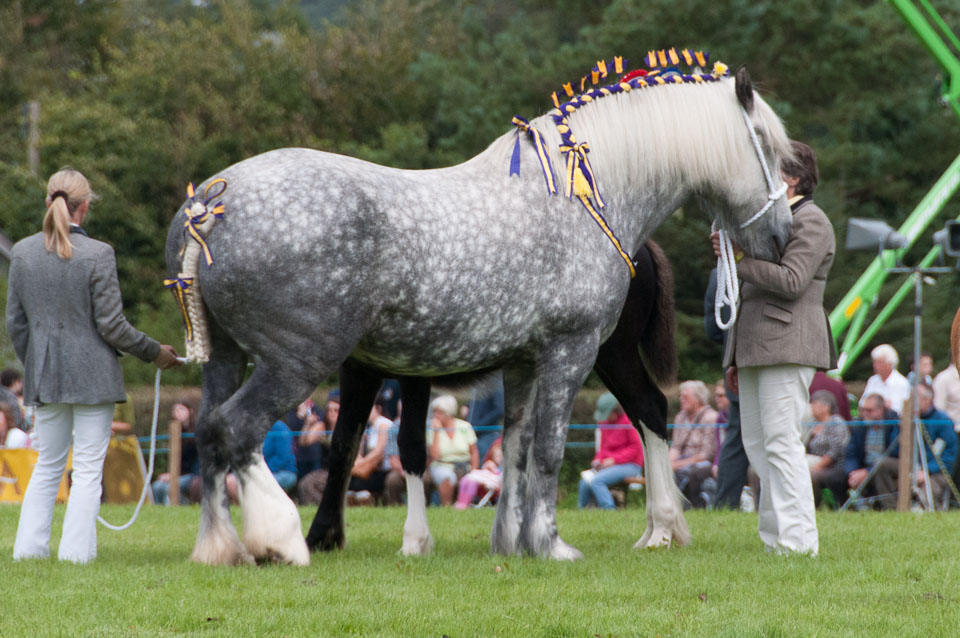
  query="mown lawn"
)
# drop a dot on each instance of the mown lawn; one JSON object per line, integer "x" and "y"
{"x": 877, "y": 575}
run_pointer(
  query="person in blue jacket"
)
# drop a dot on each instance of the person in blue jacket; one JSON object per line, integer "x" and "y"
{"x": 279, "y": 456}
{"x": 938, "y": 426}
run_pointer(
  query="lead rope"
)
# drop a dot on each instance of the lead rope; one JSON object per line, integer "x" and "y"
{"x": 728, "y": 284}
{"x": 147, "y": 483}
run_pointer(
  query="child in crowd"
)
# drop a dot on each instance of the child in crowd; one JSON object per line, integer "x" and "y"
{"x": 488, "y": 476}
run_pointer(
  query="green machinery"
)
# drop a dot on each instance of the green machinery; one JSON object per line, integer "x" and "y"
{"x": 851, "y": 313}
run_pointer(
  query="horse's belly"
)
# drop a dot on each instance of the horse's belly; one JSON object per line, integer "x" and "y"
{"x": 433, "y": 349}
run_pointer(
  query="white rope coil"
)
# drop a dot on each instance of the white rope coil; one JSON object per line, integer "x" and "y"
{"x": 728, "y": 284}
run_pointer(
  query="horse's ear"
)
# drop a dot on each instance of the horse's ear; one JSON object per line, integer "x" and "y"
{"x": 744, "y": 89}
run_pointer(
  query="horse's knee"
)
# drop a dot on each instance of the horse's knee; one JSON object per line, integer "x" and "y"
{"x": 548, "y": 459}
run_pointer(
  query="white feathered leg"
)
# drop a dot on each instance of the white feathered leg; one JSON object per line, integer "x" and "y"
{"x": 666, "y": 524}
{"x": 271, "y": 522}
{"x": 217, "y": 540}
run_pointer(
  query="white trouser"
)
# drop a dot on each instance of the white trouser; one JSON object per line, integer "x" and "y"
{"x": 57, "y": 425}
{"x": 772, "y": 402}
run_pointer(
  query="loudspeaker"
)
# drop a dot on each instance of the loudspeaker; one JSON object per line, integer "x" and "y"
{"x": 949, "y": 238}
{"x": 872, "y": 234}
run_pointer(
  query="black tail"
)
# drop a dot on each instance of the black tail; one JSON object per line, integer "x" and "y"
{"x": 658, "y": 343}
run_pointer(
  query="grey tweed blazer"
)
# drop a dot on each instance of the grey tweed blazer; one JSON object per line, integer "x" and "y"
{"x": 781, "y": 318}
{"x": 65, "y": 319}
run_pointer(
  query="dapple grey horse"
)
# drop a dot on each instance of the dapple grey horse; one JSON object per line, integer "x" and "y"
{"x": 640, "y": 352}
{"x": 322, "y": 259}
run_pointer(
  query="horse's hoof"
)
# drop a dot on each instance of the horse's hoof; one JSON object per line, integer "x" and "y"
{"x": 658, "y": 538}
{"x": 292, "y": 551}
{"x": 327, "y": 541}
{"x": 563, "y": 551}
{"x": 210, "y": 553}
{"x": 422, "y": 546}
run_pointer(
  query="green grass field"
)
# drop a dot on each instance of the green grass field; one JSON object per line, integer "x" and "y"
{"x": 877, "y": 575}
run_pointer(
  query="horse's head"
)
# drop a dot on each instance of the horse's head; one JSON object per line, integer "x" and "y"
{"x": 751, "y": 203}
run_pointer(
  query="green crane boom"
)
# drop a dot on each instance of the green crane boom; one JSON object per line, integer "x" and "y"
{"x": 850, "y": 314}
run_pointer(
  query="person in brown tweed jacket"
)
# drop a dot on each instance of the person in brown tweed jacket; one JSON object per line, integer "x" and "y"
{"x": 779, "y": 340}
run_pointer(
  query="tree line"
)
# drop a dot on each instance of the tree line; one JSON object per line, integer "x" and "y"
{"x": 146, "y": 96}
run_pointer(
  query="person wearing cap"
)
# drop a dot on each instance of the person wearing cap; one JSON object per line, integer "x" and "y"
{"x": 619, "y": 456}
{"x": 65, "y": 320}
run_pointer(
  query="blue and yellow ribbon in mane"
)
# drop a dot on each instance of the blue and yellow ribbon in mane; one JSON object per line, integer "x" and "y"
{"x": 179, "y": 288}
{"x": 194, "y": 221}
{"x": 602, "y": 223}
{"x": 537, "y": 138}
{"x": 580, "y": 178}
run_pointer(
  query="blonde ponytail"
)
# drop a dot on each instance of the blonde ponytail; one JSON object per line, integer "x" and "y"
{"x": 67, "y": 189}
{"x": 56, "y": 228}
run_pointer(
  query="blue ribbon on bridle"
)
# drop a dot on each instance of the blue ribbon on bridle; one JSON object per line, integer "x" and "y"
{"x": 537, "y": 138}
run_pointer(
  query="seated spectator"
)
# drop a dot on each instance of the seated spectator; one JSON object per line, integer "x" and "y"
{"x": 836, "y": 387}
{"x": 867, "y": 444}
{"x": 488, "y": 477}
{"x": 313, "y": 444}
{"x": 826, "y": 446}
{"x": 189, "y": 459}
{"x": 694, "y": 444}
{"x": 279, "y": 456}
{"x": 313, "y": 447}
{"x": 10, "y": 435}
{"x": 946, "y": 392}
{"x": 11, "y": 392}
{"x": 926, "y": 370}
{"x": 938, "y": 426}
{"x": 887, "y": 382}
{"x": 452, "y": 447}
{"x": 619, "y": 456}
{"x": 372, "y": 464}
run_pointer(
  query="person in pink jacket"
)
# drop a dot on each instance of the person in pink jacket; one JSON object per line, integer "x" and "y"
{"x": 620, "y": 455}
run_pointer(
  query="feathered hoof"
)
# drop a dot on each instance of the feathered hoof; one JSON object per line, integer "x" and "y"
{"x": 417, "y": 546}
{"x": 661, "y": 538}
{"x": 212, "y": 551}
{"x": 289, "y": 551}
{"x": 563, "y": 551}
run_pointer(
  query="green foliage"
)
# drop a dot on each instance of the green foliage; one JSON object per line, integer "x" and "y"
{"x": 145, "y": 96}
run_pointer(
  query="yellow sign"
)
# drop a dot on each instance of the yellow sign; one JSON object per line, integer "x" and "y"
{"x": 16, "y": 468}
{"x": 123, "y": 471}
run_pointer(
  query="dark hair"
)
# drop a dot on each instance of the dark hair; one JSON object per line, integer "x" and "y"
{"x": 9, "y": 376}
{"x": 803, "y": 166}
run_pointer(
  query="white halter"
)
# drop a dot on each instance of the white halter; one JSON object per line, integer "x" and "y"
{"x": 728, "y": 285}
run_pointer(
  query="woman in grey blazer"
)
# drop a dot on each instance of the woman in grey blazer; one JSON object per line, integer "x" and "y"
{"x": 781, "y": 337}
{"x": 65, "y": 319}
